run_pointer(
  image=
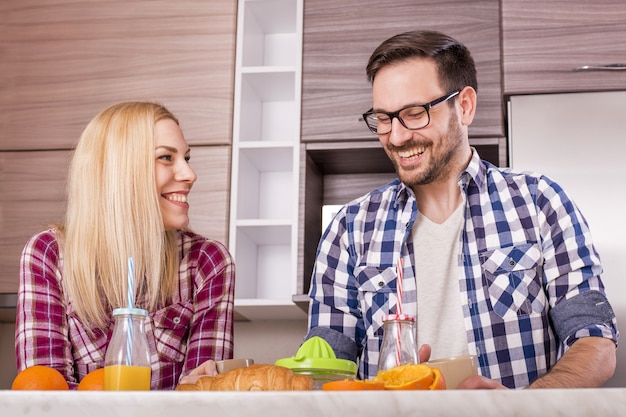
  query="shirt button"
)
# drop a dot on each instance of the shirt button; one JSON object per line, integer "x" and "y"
{"x": 176, "y": 320}
{"x": 511, "y": 262}
{"x": 381, "y": 284}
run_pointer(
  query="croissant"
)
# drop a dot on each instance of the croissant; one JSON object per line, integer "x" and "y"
{"x": 258, "y": 377}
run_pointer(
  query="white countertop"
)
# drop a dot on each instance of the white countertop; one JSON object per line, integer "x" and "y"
{"x": 527, "y": 403}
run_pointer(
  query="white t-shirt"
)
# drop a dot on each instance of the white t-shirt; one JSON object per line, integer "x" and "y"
{"x": 439, "y": 319}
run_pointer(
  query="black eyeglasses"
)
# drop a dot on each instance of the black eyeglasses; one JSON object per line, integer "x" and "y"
{"x": 412, "y": 117}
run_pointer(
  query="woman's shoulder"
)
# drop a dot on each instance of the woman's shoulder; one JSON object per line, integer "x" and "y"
{"x": 197, "y": 244}
{"x": 188, "y": 237}
{"x": 44, "y": 241}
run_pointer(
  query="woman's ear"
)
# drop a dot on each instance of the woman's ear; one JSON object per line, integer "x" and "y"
{"x": 467, "y": 102}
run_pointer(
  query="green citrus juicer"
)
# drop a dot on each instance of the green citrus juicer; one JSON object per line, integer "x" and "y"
{"x": 316, "y": 358}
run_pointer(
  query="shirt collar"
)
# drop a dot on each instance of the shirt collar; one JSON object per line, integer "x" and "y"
{"x": 403, "y": 194}
{"x": 475, "y": 171}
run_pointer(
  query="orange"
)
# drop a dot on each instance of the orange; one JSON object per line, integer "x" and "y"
{"x": 410, "y": 377}
{"x": 352, "y": 385}
{"x": 93, "y": 381}
{"x": 39, "y": 377}
{"x": 439, "y": 381}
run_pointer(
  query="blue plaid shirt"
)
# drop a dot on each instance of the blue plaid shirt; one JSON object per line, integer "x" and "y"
{"x": 527, "y": 262}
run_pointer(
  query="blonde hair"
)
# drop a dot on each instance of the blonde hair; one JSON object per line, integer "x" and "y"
{"x": 113, "y": 213}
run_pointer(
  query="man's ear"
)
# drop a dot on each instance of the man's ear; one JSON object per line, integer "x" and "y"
{"x": 467, "y": 102}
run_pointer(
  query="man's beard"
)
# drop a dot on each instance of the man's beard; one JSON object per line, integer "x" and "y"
{"x": 439, "y": 166}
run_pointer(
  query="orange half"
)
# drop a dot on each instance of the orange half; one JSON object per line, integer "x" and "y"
{"x": 411, "y": 377}
{"x": 352, "y": 385}
{"x": 439, "y": 381}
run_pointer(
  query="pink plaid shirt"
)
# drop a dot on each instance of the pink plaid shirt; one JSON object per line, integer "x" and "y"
{"x": 197, "y": 326}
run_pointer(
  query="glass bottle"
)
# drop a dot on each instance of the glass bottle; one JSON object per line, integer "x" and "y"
{"x": 127, "y": 359}
{"x": 399, "y": 346}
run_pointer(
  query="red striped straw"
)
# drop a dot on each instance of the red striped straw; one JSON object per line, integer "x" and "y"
{"x": 399, "y": 269}
{"x": 399, "y": 310}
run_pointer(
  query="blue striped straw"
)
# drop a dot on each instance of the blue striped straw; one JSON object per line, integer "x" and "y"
{"x": 131, "y": 304}
{"x": 131, "y": 283}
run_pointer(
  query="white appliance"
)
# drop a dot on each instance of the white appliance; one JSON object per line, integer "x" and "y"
{"x": 579, "y": 140}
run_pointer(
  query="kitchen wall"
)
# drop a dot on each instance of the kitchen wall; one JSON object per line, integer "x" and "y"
{"x": 62, "y": 62}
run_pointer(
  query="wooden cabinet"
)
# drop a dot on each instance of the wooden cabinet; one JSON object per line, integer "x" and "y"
{"x": 61, "y": 62}
{"x": 546, "y": 43}
{"x": 32, "y": 196}
{"x": 209, "y": 198}
{"x": 339, "y": 37}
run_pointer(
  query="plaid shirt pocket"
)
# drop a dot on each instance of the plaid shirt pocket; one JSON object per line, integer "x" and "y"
{"x": 376, "y": 285}
{"x": 513, "y": 279}
{"x": 171, "y": 329}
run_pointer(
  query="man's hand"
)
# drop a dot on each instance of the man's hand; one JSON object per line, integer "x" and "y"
{"x": 424, "y": 353}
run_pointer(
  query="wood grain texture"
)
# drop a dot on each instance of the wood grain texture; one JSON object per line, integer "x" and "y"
{"x": 309, "y": 218}
{"x": 340, "y": 36}
{"x": 543, "y": 41}
{"x": 210, "y": 196}
{"x": 32, "y": 196}
{"x": 62, "y": 61}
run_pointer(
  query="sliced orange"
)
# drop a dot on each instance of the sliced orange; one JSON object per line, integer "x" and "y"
{"x": 352, "y": 385}
{"x": 411, "y": 377}
{"x": 439, "y": 382}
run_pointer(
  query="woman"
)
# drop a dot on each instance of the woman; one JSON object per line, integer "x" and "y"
{"x": 128, "y": 184}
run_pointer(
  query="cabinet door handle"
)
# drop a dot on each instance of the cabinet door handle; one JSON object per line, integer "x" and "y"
{"x": 609, "y": 67}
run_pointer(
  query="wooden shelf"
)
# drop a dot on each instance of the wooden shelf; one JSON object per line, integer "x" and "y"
{"x": 350, "y": 157}
{"x": 268, "y": 309}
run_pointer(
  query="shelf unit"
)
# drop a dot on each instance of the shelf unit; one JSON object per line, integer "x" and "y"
{"x": 263, "y": 233}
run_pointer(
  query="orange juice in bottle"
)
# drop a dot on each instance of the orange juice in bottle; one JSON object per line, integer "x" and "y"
{"x": 127, "y": 378}
{"x": 127, "y": 359}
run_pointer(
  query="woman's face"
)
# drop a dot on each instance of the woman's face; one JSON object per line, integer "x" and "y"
{"x": 174, "y": 176}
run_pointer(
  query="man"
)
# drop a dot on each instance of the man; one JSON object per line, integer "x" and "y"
{"x": 495, "y": 263}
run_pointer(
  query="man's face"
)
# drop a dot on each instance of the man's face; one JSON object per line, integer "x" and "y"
{"x": 420, "y": 156}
